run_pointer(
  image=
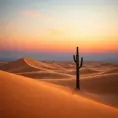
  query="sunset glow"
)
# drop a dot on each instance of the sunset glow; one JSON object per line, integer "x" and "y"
{"x": 59, "y": 26}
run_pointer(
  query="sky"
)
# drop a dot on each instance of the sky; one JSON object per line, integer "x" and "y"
{"x": 52, "y": 29}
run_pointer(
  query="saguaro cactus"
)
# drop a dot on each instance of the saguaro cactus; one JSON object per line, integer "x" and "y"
{"x": 78, "y": 66}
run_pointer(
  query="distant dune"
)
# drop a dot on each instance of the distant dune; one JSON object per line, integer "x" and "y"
{"x": 102, "y": 84}
{"x": 83, "y": 71}
{"x": 112, "y": 70}
{"x": 18, "y": 66}
{"x": 2, "y": 63}
{"x": 46, "y": 75}
{"x": 107, "y": 65}
{"x": 44, "y": 65}
{"x": 35, "y": 69}
{"x": 27, "y": 65}
{"x": 67, "y": 65}
{"x": 87, "y": 71}
{"x": 23, "y": 97}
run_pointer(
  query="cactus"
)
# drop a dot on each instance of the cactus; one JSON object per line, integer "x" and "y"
{"x": 78, "y": 66}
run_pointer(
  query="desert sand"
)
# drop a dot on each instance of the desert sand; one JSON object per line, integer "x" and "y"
{"x": 23, "y": 97}
{"x": 2, "y": 63}
{"x": 99, "y": 81}
{"x": 35, "y": 69}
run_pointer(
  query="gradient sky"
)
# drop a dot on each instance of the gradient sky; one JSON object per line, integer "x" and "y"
{"x": 36, "y": 28}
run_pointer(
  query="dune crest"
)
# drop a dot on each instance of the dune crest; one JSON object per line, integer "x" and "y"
{"x": 26, "y": 98}
{"x": 35, "y": 69}
{"x": 87, "y": 71}
{"x": 45, "y": 75}
{"x": 2, "y": 63}
{"x": 37, "y": 64}
{"x": 18, "y": 66}
{"x": 111, "y": 70}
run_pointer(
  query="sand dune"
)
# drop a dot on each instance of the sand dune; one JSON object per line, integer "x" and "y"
{"x": 72, "y": 72}
{"x": 101, "y": 84}
{"x": 87, "y": 71}
{"x": 107, "y": 65}
{"x": 83, "y": 71}
{"x": 35, "y": 69}
{"x": 24, "y": 65}
{"x": 18, "y": 66}
{"x": 104, "y": 86}
{"x": 26, "y": 98}
{"x": 2, "y": 63}
{"x": 45, "y": 74}
{"x": 37, "y": 64}
{"x": 111, "y": 70}
{"x": 29, "y": 65}
{"x": 67, "y": 65}
{"x": 100, "y": 66}
{"x": 71, "y": 69}
{"x": 97, "y": 79}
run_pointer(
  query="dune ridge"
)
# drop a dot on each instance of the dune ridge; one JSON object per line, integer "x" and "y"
{"x": 88, "y": 71}
{"x": 111, "y": 70}
{"x": 25, "y": 65}
{"x": 37, "y": 64}
{"x": 23, "y": 97}
{"x": 18, "y": 66}
{"x": 35, "y": 69}
{"x": 45, "y": 74}
{"x": 2, "y": 63}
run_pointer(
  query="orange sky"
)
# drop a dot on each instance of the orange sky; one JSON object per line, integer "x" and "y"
{"x": 59, "y": 26}
{"x": 87, "y": 44}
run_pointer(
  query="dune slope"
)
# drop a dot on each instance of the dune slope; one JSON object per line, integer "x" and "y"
{"x": 23, "y": 97}
{"x": 102, "y": 84}
{"x": 26, "y": 65}
{"x": 35, "y": 69}
{"x": 18, "y": 66}
{"x": 45, "y": 65}
{"x": 111, "y": 70}
{"x": 88, "y": 71}
{"x": 45, "y": 75}
{"x": 2, "y": 63}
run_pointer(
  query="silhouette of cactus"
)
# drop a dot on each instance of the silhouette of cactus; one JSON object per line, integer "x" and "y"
{"x": 78, "y": 66}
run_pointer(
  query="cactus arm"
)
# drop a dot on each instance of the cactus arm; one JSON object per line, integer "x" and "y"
{"x": 81, "y": 63}
{"x": 74, "y": 58}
